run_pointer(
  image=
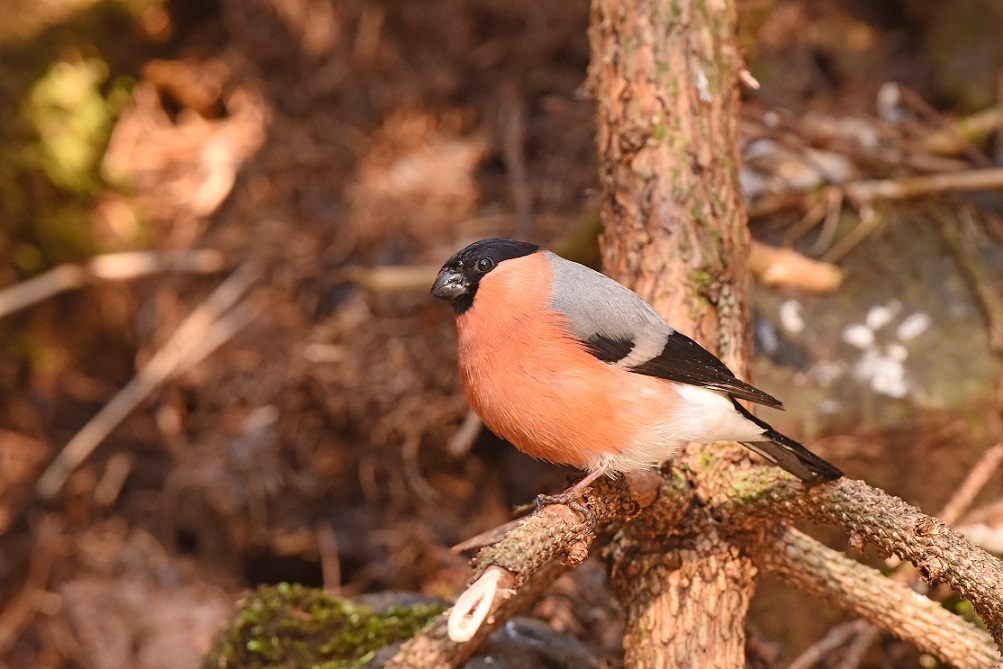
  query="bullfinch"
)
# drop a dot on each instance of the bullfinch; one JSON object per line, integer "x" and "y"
{"x": 573, "y": 368}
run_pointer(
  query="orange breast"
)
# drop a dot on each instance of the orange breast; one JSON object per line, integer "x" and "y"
{"x": 535, "y": 385}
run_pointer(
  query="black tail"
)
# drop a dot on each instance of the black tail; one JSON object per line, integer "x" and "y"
{"x": 784, "y": 452}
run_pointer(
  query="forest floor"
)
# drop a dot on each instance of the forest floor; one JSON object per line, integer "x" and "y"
{"x": 318, "y": 161}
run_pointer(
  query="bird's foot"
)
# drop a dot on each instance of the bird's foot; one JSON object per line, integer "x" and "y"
{"x": 571, "y": 501}
{"x": 572, "y": 497}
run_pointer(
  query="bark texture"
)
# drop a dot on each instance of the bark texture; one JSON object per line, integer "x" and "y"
{"x": 818, "y": 570}
{"x": 686, "y": 604}
{"x": 664, "y": 74}
{"x": 748, "y": 504}
{"x": 872, "y": 516}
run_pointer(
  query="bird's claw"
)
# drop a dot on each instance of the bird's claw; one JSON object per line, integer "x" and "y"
{"x": 571, "y": 501}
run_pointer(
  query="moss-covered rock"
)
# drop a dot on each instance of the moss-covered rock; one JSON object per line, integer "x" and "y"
{"x": 291, "y": 626}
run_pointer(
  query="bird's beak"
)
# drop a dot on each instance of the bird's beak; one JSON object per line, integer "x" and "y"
{"x": 449, "y": 285}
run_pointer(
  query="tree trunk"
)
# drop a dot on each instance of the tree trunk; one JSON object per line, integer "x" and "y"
{"x": 684, "y": 605}
{"x": 664, "y": 74}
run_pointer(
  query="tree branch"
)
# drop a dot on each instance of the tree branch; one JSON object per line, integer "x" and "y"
{"x": 747, "y": 497}
{"x": 804, "y": 563}
{"x": 743, "y": 497}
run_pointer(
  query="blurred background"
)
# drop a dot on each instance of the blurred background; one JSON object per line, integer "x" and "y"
{"x": 270, "y": 394}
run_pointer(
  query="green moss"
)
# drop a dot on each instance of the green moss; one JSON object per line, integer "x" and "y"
{"x": 59, "y": 75}
{"x": 965, "y": 609}
{"x": 34, "y": 350}
{"x": 697, "y": 306}
{"x": 630, "y": 44}
{"x": 72, "y": 121}
{"x": 732, "y": 171}
{"x": 702, "y": 281}
{"x": 744, "y": 491}
{"x": 659, "y": 132}
{"x": 697, "y": 214}
{"x": 674, "y": 88}
{"x": 718, "y": 205}
{"x": 706, "y": 459}
{"x": 290, "y": 626}
{"x": 677, "y": 12}
{"x": 27, "y": 259}
{"x": 751, "y": 485}
{"x": 714, "y": 237}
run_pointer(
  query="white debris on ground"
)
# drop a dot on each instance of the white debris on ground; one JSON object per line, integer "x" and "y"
{"x": 882, "y": 361}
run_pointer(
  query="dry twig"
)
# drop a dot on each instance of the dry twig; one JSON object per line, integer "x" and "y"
{"x": 961, "y": 142}
{"x": 827, "y": 208}
{"x": 113, "y": 266}
{"x": 870, "y": 220}
{"x": 974, "y": 128}
{"x": 976, "y": 480}
{"x": 513, "y": 136}
{"x": 907, "y": 188}
{"x": 463, "y": 439}
{"x": 774, "y": 266}
{"x": 330, "y": 560}
{"x": 961, "y": 247}
{"x": 393, "y": 279}
{"x": 205, "y": 329}
{"x": 838, "y": 637}
{"x": 855, "y": 650}
{"x": 530, "y": 556}
{"x": 21, "y": 609}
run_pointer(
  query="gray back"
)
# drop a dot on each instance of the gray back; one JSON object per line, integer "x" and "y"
{"x": 596, "y": 304}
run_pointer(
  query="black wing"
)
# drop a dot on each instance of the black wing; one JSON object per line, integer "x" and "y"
{"x": 794, "y": 457}
{"x": 684, "y": 361}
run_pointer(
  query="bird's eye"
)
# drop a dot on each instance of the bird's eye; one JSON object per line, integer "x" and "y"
{"x": 485, "y": 264}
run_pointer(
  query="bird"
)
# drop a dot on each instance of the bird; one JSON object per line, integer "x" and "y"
{"x": 574, "y": 368}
